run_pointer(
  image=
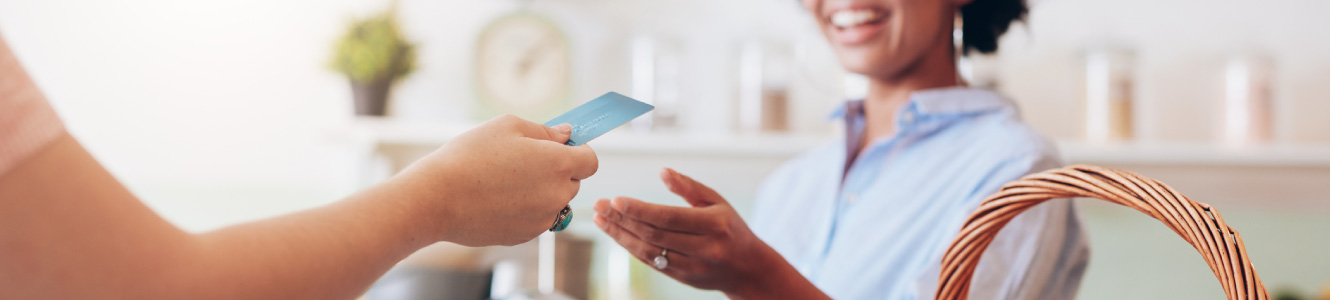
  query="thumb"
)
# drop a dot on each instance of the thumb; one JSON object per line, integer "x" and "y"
{"x": 561, "y": 132}
{"x": 695, "y": 193}
{"x": 511, "y": 124}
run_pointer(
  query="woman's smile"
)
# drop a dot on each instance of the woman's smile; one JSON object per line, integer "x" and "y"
{"x": 855, "y": 24}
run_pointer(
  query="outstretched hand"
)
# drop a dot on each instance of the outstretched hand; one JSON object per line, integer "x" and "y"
{"x": 709, "y": 245}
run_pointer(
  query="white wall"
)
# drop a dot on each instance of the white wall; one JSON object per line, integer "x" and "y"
{"x": 211, "y": 111}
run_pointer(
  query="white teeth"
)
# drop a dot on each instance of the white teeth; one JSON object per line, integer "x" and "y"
{"x": 849, "y": 18}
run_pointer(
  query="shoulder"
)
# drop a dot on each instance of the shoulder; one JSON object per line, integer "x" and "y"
{"x": 980, "y": 136}
{"x": 967, "y": 120}
{"x": 1003, "y": 136}
{"x": 1011, "y": 134}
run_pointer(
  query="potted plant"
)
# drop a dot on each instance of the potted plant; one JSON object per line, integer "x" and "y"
{"x": 373, "y": 54}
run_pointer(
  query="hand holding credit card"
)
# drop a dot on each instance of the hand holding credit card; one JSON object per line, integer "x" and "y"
{"x": 600, "y": 115}
{"x": 590, "y": 120}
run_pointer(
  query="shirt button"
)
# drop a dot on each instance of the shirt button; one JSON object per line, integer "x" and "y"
{"x": 852, "y": 198}
{"x": 907, "y": 117}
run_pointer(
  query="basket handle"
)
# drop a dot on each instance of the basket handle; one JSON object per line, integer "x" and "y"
{"x": 1197, "y": 223}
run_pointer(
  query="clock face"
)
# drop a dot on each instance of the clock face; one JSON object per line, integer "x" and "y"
{"x": 522, "y": 65}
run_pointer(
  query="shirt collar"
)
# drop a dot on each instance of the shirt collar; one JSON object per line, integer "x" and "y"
{"x": 941, "y": 101}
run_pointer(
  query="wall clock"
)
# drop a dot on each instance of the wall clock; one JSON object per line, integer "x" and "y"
{"x": 522, "y": 67}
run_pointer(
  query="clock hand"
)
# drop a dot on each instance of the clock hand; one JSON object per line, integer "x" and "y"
{"x": 530, "y": 56}
{"x": 524, "y": 66}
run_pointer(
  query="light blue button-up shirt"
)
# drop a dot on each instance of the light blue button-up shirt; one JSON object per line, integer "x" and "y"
{"x": 879, "y": 231}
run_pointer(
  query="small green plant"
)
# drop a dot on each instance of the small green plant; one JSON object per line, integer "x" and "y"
{"x": 374, "y": 49}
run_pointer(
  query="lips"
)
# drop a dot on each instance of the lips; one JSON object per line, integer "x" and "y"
{"x": 853, "y": 26}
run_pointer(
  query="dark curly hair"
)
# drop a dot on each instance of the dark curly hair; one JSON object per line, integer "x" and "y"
{"x": 986, "y": 20}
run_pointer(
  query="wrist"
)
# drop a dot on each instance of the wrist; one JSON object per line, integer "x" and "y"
{"x": 758, "y": 281}
{"x": 777, "y": 279}
{"x": 422, "y": 210}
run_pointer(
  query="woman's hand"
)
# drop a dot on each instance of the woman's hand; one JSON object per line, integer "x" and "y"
{"x": 710, "y": 246}
{"x": 502, "y": 183}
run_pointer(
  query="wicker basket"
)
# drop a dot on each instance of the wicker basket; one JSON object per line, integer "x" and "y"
{"x": 1196, "y": 222}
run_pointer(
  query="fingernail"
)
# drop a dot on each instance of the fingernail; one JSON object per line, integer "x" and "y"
{"x": 670, "y": 175}
{"x": 563, "y": 127}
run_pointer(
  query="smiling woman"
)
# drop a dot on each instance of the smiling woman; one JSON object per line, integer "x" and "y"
{"x": 869, "y": 216}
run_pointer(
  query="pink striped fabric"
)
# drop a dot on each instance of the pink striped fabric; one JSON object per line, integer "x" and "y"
{"x": 27, "y": 122}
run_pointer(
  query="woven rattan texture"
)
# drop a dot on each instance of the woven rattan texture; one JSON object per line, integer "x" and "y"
{"x": 1195, "y": 222}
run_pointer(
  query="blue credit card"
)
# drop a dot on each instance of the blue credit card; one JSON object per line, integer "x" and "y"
{"x": 599, "y": 116}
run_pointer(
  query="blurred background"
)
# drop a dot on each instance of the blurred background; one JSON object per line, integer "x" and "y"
{"x": 219, "y": 112}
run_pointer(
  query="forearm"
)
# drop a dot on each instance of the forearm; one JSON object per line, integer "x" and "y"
{"x": 68, "y": 230}
{"x": 331, "y": 252}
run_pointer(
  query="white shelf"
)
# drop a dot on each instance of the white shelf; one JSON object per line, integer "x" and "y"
{"x": 1196, "y": 153}
{"x": 389, "y": 132}
{"x": 619, "y": 141}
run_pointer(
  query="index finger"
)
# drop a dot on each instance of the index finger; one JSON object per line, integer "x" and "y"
{"x": 674, "y": 218}
{"x": 584, "y": 161}
{"x": 577, "y": 162}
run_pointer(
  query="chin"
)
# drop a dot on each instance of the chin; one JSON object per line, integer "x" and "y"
{"x": 855, "y": 61}
{"x": 868, "y": 65}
